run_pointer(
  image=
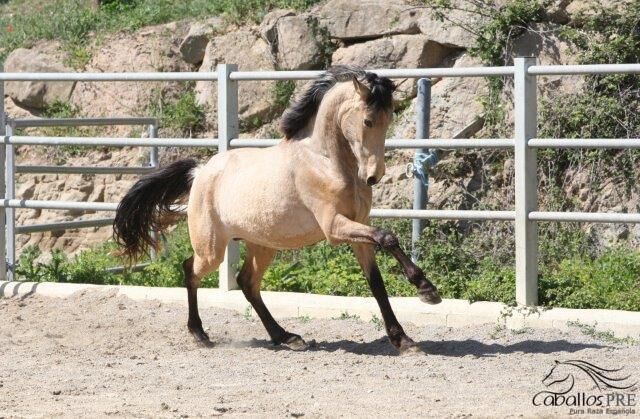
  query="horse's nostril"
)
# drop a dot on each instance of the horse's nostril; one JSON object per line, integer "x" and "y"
{"x": 371, "y": 180}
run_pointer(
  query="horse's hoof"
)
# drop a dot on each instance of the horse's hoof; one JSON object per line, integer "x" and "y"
{"x": 410, "y": 350}
{"x": 429, "y": 296}
{"x": 295, "y": 343}
{"x": 408, "y": 346}
{"x": 202, "y": 339}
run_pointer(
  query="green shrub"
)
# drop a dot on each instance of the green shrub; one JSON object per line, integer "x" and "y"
{"x": 568, "y": 276}
{"x": 184, "y": 115}
{"x": 283, "y": 90}
{"x": 611, "y": 281}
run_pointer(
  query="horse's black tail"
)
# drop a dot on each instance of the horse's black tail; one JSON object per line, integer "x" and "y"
{"x": 147, "y": 206}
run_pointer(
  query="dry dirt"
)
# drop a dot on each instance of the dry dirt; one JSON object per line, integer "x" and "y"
{"x": 97, "y": 354}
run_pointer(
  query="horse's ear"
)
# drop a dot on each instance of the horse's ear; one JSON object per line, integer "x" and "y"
{"x": 362, "y": 90}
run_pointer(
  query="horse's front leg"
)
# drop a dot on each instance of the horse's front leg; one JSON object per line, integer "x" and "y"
{"x": 365, "y": 253}
{"x": 340, "y": 229}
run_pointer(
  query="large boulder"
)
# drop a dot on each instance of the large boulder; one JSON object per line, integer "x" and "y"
{"x": 399, "y": 51}
{"x": 544, "y": 42}
{"x": 195, "y": 42}
{"x": 148, "y": 50}
{"x": 455, "y": 31}
{"x": 456, "y": 110}
{"x": 295, "y": 40}
{"x": 368, "y": 19}
{"x": 43, "y": 58}
{"x": 576, "y": 9}
{"x": 255, "y": 98}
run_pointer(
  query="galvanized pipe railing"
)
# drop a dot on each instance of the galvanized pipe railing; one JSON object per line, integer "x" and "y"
{"x": 524, "y": 144}
{"x": 12, "y": 169}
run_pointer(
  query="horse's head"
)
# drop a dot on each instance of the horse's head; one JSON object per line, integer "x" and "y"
{"x": 364, "y": 121}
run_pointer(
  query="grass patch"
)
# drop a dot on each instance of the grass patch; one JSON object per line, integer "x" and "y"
{"x": 602, "y": 335}
{"x": 184, "y": 116}
{"x": 74, "y": 22}
{"x": 570, "y": 278}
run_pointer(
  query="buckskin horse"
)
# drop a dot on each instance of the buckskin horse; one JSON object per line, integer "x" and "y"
{"x": 314, "y": 185}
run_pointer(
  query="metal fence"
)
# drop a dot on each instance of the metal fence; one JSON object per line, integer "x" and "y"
{"x": 12, "y": 169}
{"x": 525, "y": 144}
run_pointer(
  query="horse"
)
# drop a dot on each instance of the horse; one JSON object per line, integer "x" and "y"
{"x": 316, "y": 184}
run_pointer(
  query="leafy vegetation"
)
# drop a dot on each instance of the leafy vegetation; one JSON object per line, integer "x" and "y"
{"x": 602, "y": 335}
{"x": 182, "y": 115}
{"x": 502, "y": 23}
{"x": 605, "y": 107}
{"x": 568, "y": 278}
{"x": 283, "y": 91}
{"x": 74, "y": 22}
{"x": 92, "y": 266}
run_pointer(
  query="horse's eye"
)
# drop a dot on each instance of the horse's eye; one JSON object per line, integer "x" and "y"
{"x": 368, "y": 123}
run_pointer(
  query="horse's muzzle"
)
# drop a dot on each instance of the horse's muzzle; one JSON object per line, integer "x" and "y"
{"x": 371, "y": 180}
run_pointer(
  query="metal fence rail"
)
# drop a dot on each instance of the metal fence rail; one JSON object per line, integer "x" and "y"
{"x": 12, "y": 169}
{"x": 525, "y": 144}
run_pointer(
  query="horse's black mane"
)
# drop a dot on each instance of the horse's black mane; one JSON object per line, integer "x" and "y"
{"x": 306, "y": 105}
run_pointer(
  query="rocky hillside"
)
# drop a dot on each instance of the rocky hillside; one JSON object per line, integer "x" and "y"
{"x": 371, "y": 34}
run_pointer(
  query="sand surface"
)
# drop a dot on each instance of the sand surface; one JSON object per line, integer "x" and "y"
{"x": 98, "y": 354}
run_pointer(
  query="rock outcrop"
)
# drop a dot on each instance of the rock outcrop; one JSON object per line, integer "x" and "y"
{"x": 351, "y": 21}
{"x": 296, "y": 40}
{"x": 45, "y": 57}
{"x": 255, "y": 99}
{"x": 195, "y": 43}
{"x": 151, "y": 49}
{"x": 455, "y": 106}
{"x": 399, "y": 51}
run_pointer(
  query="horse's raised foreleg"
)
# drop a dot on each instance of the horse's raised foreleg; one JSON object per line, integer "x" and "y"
{"x": 365, "y": 254}
{"x": 256, "y": 262}
{"x": 195, "y": 269}
{"x": 340, "y": 229}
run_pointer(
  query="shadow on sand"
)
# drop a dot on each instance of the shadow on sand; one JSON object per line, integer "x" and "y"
{"x": 447, "y": 348}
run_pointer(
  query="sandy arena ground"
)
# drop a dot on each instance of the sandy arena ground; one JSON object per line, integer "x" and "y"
{"x": 97, "y": 354}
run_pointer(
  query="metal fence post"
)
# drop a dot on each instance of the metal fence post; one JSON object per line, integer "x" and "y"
{"x": 3, "y": 132}
{"x": 420, "y": 193}
{"x": 526, "y": 183}
{"x": 153, "y": 162}
{"x": 10, "y": 193}
{"x": 228, "y": 128}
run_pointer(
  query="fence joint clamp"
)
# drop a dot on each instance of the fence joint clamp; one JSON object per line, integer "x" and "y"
{"x": 420, "y": 166}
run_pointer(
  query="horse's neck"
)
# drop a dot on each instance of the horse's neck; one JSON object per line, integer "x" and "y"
{"x": 327, "y": 137}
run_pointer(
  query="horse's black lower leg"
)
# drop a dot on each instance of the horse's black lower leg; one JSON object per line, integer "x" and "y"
{"x": 249, "y": 281}
{"x": 395, "y": 332}
{"x": 426, "y": 290}
{"x": 194, "y": 323}
{"x": 278, "y": 334}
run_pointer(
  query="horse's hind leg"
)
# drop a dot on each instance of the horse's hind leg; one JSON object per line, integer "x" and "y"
{"x": 365, "y": 253}
{"x": 195, "y": 268}
{"x": 257, "y": 260}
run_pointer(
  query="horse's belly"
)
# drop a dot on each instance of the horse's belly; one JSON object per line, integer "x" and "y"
{"x": 277, "y": 229}
{"x": 266, "y": 211}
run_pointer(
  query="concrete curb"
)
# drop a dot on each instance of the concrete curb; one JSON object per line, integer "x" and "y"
{"x": 451, "y": 313}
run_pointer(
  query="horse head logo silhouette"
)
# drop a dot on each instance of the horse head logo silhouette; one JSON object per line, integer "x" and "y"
{"x": 563, "y": 374}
